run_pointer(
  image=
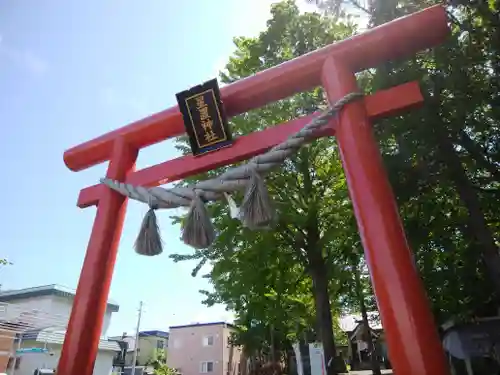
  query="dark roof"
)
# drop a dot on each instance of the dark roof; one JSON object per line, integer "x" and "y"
{"x": 203, "y": 325}
{"x": 14, "y": 326}
{"x": 353, "y": 333}
{"x": 31, "y": 334}
{"x": 45, "y": 290}
{"x": 154, "y": 333}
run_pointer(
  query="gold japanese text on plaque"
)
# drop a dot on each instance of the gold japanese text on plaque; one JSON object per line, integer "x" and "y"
{"x": 204, "y": 118}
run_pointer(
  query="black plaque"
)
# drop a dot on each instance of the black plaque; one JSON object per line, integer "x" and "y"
{"x": 204, "y": 118}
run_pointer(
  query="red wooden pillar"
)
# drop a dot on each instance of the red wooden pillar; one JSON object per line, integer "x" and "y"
{"x": 84, "y": 329}
{"x": 412, "y": 339}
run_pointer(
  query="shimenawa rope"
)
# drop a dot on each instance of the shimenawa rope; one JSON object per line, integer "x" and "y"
{"x": 256, "y": 209}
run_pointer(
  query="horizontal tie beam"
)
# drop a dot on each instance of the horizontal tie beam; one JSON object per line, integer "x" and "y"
{"x": 383, "y": 103}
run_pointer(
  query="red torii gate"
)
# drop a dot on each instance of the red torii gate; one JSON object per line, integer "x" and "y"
{"x": 411, "y": 334}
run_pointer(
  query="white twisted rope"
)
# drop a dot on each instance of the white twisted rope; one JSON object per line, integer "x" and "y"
{"x": 256, "y": 208}
{"x": 236, "y": 178}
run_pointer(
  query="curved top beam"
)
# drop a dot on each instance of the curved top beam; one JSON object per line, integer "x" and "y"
{"x": 396, "y": 39}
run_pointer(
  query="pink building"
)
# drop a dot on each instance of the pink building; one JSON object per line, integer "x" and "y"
{"x": 203, "y": 348}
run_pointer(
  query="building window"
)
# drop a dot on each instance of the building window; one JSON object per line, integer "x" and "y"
{"x": 208, "y": 341}
{"x": 206, "y": 367}
{"x": 160, "y": 344}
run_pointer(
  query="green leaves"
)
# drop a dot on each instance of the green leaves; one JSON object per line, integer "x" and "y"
{"x": 264, "y": 276}
{"x": 159, "y": 363}
{"x": 437, "y": 158}
{"x": 443, "y": 162}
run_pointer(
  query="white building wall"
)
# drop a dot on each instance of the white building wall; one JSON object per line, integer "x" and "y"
{"x": 15, "y": 308}
{"x": 53, "y": 309}
{"x": 30, "y": 362}
{"x": 62, "y": 306}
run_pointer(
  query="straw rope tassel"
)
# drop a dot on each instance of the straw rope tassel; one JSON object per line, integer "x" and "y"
{"x": 149, "y": 240}
{"x": 197, "y": 229}
{"x": 256, "y": 209}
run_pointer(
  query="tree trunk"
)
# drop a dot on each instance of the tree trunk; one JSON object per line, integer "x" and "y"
{"x": 273, "y": 349}
{"x": 243, "y": 363}
{"x": 361, "y": 298}
{"x": 230, "y": 369}
{"x": 476, "y": 221}
{"x": 323, "y": 312}
{"x": 317, "y": 269}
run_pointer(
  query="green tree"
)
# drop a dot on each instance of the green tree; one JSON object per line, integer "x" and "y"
{"x": 158, "y": 362}
{"x": 309, "y": 191}
{"x": 442, "y": 151}
{"x": 165, "y": 370}
{"x": 443, "y": 160}
{"x": 4, "y": 262}
{"x": 158, "y": 359}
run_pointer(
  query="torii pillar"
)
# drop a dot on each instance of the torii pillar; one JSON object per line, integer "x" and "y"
{"x": 412, "y": 338}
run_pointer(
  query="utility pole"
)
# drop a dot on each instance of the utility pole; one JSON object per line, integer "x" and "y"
{"x": 136, "y": 343}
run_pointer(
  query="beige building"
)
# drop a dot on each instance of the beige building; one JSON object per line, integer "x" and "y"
{"x": 203, "y": 348}
{"x": 150, "y": 344}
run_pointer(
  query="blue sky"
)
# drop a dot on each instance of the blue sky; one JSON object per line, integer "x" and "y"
{"x": 71, "y": 71}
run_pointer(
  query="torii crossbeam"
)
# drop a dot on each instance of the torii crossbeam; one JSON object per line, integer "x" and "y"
{"x": 414, "y": 345}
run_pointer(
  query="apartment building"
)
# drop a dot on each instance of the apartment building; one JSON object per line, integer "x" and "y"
{"x": 203, "y": 348}
{"x": 150, "y": 343}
